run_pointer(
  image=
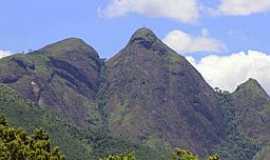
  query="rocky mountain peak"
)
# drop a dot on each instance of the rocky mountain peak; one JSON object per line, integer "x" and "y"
{"x": 251, "y": 88}
{"x": 250, "y": 99}
{"x": 69, "y": 46}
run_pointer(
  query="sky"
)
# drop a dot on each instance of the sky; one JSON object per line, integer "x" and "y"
{"x": 228, "y": 41}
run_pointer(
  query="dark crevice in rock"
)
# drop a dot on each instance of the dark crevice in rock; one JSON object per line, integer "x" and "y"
{"x": 72, "y": 70}
{"x": 49, "y": 80}
{"x": 23, "y": 64}
{"x": 143, "y": 42}
{"x": 9, "y": 79}
{"x": 97, "y": 62}
{"x": 67, "y": 77}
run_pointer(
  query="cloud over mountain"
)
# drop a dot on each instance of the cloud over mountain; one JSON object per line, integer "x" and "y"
{"x": 185, "y": 43}
{"x": 181, "y": 10}
{"x": 229, "y": 71}
{"x": 243, "y": 7}
{"x": 4, "y": 53}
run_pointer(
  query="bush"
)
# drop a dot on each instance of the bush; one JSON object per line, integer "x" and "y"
{"x": 181, "y": 154}
{"x": 128, "y": 156}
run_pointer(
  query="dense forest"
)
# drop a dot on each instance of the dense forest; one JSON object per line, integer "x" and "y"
{"x": 16, "y": 144}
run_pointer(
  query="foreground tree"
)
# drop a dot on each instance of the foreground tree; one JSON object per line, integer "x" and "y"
{"x": 213, "y": 157}
{"x": 15, "y": 144}
{"x": 128, "y": 156}
{"x": 181, "y": 154}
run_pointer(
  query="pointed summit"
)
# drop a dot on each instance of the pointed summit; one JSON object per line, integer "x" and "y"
{"x": 144, "y": 36}
{"x": 253, "y": 82}
{"x": 251, "y": 89}
{"x": 252, "y": 86}
{"x": 144, "y": 44}
{"x": 251, "y": 107}
{"x": 144, "y": 33}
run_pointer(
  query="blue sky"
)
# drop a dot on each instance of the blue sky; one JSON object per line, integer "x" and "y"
{"x": 31, "y": 24}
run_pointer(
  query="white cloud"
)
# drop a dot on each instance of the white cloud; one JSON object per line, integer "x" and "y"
{"x": 227, "y": 72}
{"x": 5, "y": 53}
{"x": 185, "y": 43}
{"x": 243, "y": 7}
{"x": 182, "y": 10}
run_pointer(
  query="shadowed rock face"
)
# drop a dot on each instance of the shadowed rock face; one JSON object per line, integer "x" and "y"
{"x": 76, "y": 58}
{"x": 63, "y": 76}
{"x": 154, "y": 92}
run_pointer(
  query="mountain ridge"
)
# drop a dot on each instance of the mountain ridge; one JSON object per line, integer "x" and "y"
{"x": 146, "y": 98}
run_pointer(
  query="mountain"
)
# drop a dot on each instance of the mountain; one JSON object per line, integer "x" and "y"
{"x": 251, "y": 94}
{"x": 63, "y": 76}
{"x": 154, "y": 94}
{"x": 146, "y": 98}
{"x": 63, "y": 84}
{"x": 252, "y": 106}
{"x": 247, "y": 129}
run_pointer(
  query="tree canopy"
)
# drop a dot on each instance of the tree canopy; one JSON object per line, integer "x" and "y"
{"x": 179, "y": 154}
{"x": 16, "y": 144}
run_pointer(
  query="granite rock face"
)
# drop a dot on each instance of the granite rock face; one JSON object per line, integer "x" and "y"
{"x": 154, "y": 92}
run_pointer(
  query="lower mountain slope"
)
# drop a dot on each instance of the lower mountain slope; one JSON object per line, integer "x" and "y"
{"x": 236, "y": 145}
{"x": 25, "y": 114}
{"x": 75, "y": 142}
{"x": 247, "y": 126}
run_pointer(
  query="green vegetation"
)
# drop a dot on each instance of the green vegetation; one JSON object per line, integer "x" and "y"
{"x": 15, "y": 144}
{"x": 22, "y": 113}
{"x": 128, "y": 156}
{"x": 179, "y": 154}
{"x": 75, "y": 143}
{"x": 184, "y": 155}
{"x": 235, "y": 145}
